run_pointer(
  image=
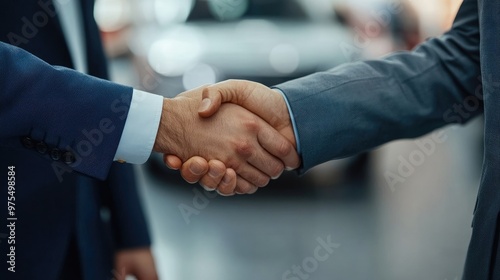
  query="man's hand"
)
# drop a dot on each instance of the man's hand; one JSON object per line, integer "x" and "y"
{"x": 212, "y": 175}
{"x": 135, "y": 262}
{"x": 233, "y": 137}
{"x": 257, "y": 98}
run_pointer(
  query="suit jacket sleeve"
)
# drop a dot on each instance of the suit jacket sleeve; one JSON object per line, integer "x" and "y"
{"x": 62, "y": 108}
{"x": 359, "y": 106}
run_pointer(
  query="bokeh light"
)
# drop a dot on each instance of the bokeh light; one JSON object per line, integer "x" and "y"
{"x": 200, "y": 74}
{"x": 175, "y": 52}
{"x": 172, "y": 11}
{"x": 284, "y": 58}
{"x": 112, "y": 15}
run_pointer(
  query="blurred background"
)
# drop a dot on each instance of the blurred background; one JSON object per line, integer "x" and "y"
{"x": 387, "y": 222}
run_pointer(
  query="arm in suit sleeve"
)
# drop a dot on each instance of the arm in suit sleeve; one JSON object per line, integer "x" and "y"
{"x": 359, "y": 106}
{"x": 127, "y": 215}
{"x": 67, "y": 110}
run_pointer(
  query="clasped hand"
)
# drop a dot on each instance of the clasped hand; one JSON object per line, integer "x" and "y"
{"x": 234, "y": 148}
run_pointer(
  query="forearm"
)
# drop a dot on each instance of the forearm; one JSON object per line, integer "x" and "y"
{"x": 359, "y": 106}
{"x": 61, "y": 107}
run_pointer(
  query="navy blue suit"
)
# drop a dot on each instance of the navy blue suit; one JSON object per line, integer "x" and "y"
{"x": 60, "y": 129}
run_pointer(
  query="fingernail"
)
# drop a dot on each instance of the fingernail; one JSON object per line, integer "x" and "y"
{"x": 226, "y": 195}
{"x": 274, "y": 178}
{"x": 205, "y": 103}
{"x": 213, "y": 173}
{"x": 208, "y": 189}
{"x": 196, "y": 169}
{"x": 289, "y": 168}
{"x": 226, "y": 180}
{"x": 254, "y": 191}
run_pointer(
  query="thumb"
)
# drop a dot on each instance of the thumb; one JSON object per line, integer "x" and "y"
{"x": 211, "y": 101}
{"x": 232, "y": 91}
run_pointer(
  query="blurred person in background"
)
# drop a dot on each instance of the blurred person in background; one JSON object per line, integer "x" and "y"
{"x": 359, "y": 106}
{"x": 70, "y": 226}
{"x": 392, "y": 31}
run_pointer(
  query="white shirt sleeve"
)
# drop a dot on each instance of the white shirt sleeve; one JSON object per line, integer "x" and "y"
{"x": 141, "y": 126}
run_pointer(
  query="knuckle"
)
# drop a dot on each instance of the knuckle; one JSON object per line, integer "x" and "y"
{"x": 251, "y": 125}
{"x": 206, "y": 91}
{"x": 244, "y": 148}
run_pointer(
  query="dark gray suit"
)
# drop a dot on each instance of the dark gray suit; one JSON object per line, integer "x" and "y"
{"x": 451, "y": 79}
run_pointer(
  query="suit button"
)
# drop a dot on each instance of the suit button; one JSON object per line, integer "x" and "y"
{"x": 55, "y": 154}
{"x": 27, "y": 142}
{"x": 41, "y": 147}
{"x": 68, "y": 158}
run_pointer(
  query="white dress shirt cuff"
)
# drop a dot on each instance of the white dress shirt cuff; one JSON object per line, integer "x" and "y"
{"x": 141, "y": 126}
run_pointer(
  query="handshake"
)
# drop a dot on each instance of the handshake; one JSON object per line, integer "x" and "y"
{"x": 234, "y": 148}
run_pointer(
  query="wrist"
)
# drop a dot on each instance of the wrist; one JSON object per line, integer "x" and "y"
{"x": 166, "y": 129}
{"x": 175, "y": 123}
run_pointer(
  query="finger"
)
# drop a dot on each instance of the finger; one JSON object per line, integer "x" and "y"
{"x": 266, "y": 163}
{"x": 211, "y": 101}
{"x": 216, "y": 171}
{"x": 260, "y": 166}
{"x": 228, "y": 91}
{"x": 228, "y": 183}
{"x": 194, "y": 169}
{"x": 172, "y": 162}
{"x": 251, "y": 174}
{"x": 244, "y": 187}
{"x": 277, "y": 145}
